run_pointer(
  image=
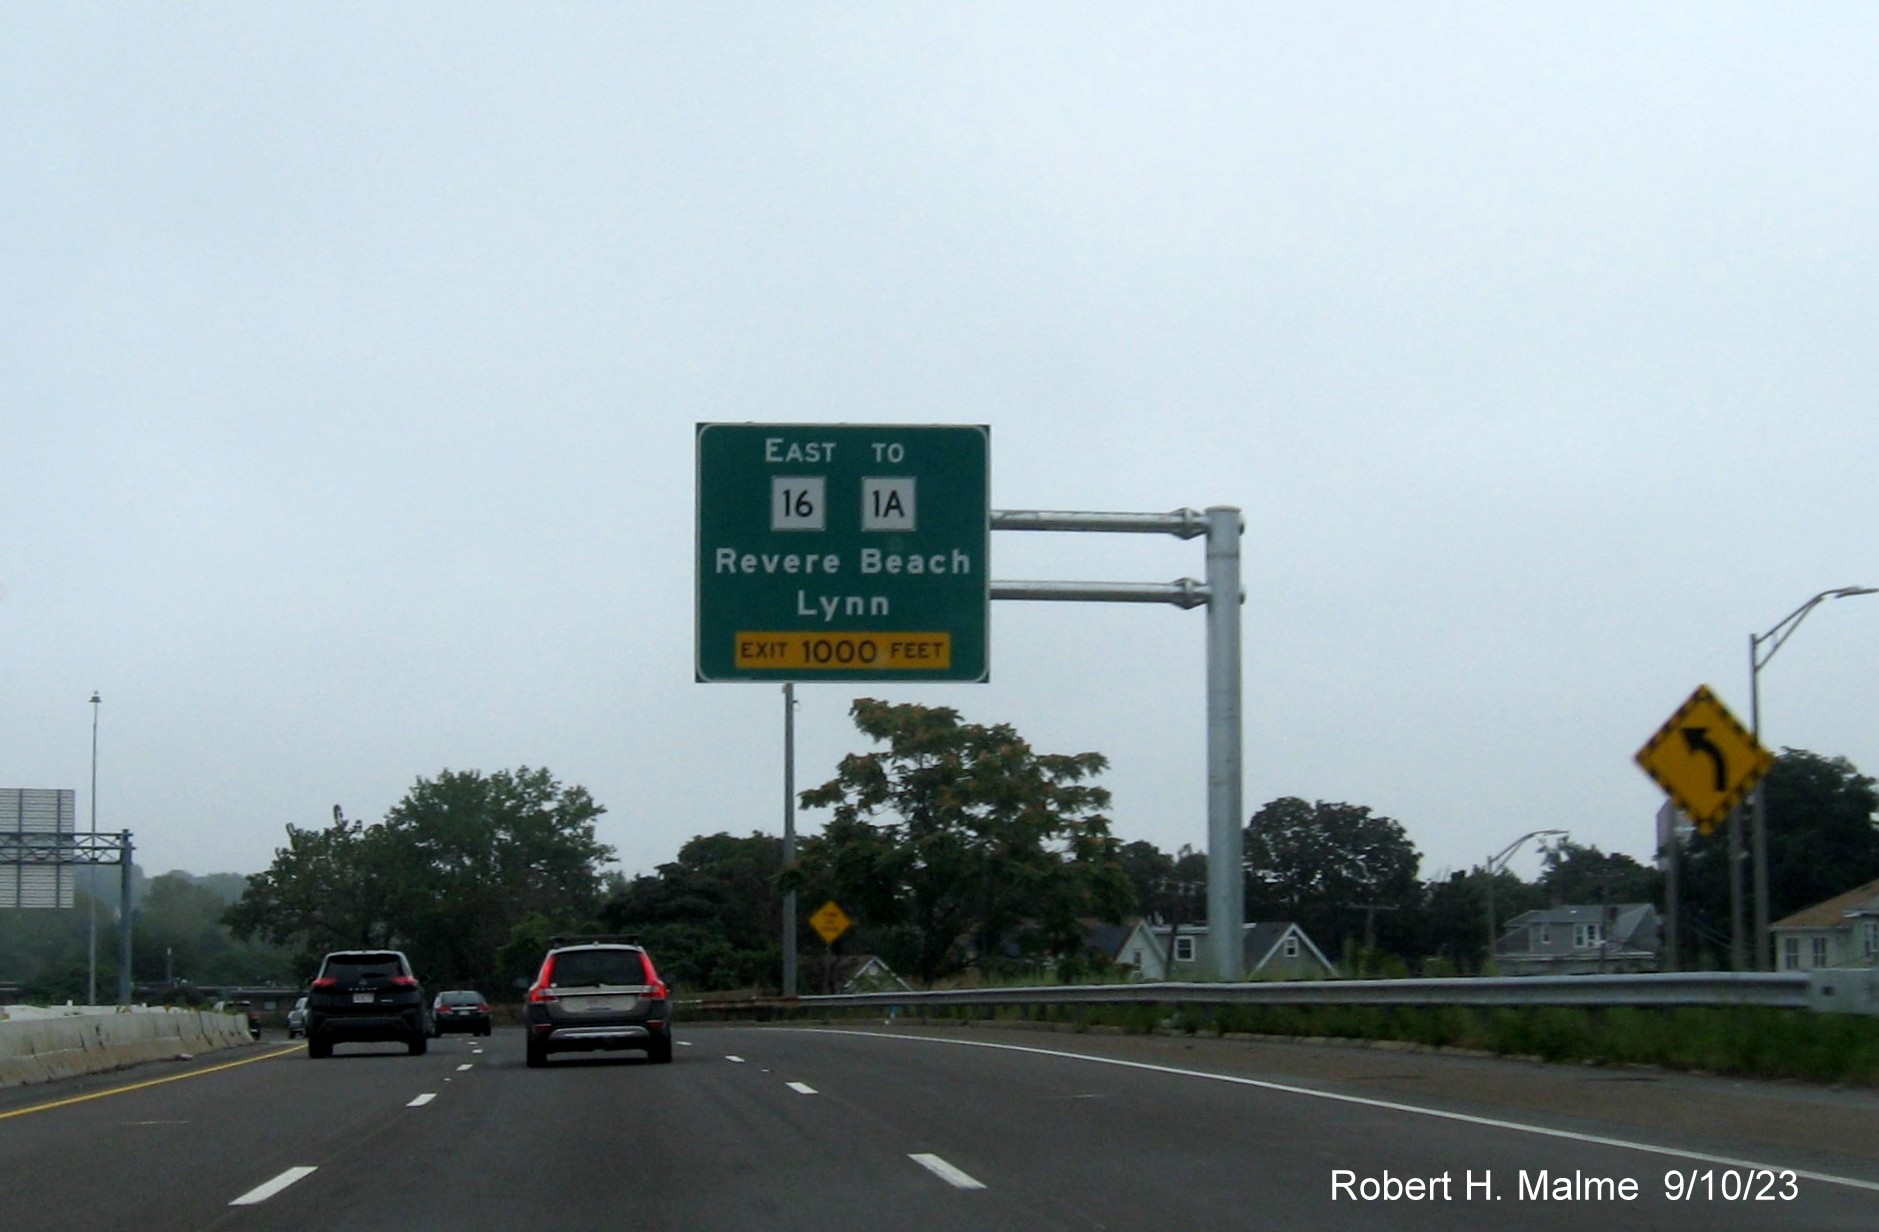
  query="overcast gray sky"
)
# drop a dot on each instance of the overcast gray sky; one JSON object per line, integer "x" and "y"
{"x": 350, "y": 357}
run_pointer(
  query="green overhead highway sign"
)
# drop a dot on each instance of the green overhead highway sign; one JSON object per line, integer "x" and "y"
{"x": 843, "y": 552}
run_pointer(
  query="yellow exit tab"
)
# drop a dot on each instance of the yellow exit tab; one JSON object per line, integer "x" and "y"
{"x": 843, "y": 651}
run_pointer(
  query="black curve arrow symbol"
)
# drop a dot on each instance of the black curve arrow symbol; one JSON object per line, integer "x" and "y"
{"x": 1698, "y": 740}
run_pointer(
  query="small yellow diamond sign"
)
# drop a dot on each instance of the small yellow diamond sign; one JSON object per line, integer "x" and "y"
{"x": 830, "y": 921}
{"x": 1705, "y": 759}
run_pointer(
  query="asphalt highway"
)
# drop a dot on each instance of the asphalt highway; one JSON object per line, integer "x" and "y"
{"x": 861, "y": 1130}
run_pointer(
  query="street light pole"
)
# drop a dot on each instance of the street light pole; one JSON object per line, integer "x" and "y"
{"x": 1758, "y": 659}
{"x": 91, "y": 946}
{"x": 1498, "y": 862}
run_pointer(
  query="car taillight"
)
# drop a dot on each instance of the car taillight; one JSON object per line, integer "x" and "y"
{"x": 403, "y": 981}
{"x": 657, "y": 989}
{"x": 325, "y": 984}
{"x": 540, "y": 995}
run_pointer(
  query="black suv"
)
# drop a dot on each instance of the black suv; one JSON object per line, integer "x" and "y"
{"x": 366, "y": 995}
{"x": 246, "y": 1010}
{"x": 597, "y": 993}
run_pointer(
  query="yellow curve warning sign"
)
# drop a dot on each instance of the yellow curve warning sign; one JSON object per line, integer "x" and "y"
{"x": 1705, "y": 759}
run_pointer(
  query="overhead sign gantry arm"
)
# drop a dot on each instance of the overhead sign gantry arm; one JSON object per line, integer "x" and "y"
{"x": 1222, "y": 596}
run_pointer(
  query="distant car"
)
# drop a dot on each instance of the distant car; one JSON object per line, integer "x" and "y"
{"x": 597, "y": 993}
{"x": 297, "y": 1019}
{"x": 245, "y": 1009}
{"x": 460, "y": 1011}
{"x": 366, "y": 996}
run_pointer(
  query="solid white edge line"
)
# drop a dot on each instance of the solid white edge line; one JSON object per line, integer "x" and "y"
{"x": 422, "y": 1100}
{"x": 1465, "y": 1118}
{"x": 261, "y": 1193}
{"x": 801, "y": 1088}
{"x": 946, "y": 1172}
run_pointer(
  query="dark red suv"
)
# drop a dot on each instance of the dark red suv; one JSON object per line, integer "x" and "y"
{"x": 595, "y": 993}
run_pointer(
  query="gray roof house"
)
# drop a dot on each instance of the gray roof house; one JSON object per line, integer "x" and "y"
{"x": 1841, "y": 932}
{"x": 1272, "y": 951}
{"x": 852, "y": 973}
{"x": 1581, "y": 939}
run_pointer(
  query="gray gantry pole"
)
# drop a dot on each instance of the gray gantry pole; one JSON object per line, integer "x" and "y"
{"x": 124, "y": 920}
{"x": 1226, "y": 887}
{"x": 91, "y": 879}
{"x": 1226, "y": 841}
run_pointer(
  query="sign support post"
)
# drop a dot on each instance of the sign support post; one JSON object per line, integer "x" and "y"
{"x": 844, "y": 552}
{"x": 1226, "y": 878}
{"x": 789, "y": 836}
{"x": 1706, "y": 762}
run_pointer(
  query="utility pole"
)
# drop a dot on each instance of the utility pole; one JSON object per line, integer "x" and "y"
{"x": 1758, "y": 659}
{"x": 1495, "y": 864}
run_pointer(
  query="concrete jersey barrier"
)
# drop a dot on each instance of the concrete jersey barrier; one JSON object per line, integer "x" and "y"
{"x": 44, "y": 1049}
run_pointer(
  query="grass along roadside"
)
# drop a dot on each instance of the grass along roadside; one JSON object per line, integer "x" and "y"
{"x": 1746, "y": 1041}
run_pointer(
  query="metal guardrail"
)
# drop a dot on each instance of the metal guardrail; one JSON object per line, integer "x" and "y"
{"x": 1779, "y": 990}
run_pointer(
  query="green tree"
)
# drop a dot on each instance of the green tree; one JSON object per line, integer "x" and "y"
{"x": 712, "y": 918}
{"x": 1166, "y": 887}
{"x": 1453, "y": 921}
{"x": 960, "y": 846}
{"x": 44, "y": 951}
{"x": 1822, "y": 837}
{"x": 1344, "y": 874}
{"x": 180, "y": 933}
{"x": 1572, "y": 874}
{"x": 325, "y": 890}
{"x": 468, "y": 855}
{"x": 448, "y": 876}
{"x": 1822, "y": 841}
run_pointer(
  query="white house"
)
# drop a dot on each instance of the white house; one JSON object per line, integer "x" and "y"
{"x": 1272, "y": 951}
{"x": 1841, "y": 932}
{"x": 1582, "y": 939}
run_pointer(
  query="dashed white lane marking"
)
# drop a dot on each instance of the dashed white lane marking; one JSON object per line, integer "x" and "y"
{"x": 464, "y": 1066}
{"x": 261, "y": 1193}
{"x": 422, "y": 1100}
{"x": 1364, "y": 1101}
{"x": 946, "y": 1172}
{"x": 684, "y": 1043}
{"x": 729, "y": 1057}
{"x": 802, "y": 1088}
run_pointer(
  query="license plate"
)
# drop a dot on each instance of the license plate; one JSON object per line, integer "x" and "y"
{"x": 611, "y": 1004}
{"x": 362, "y": 998}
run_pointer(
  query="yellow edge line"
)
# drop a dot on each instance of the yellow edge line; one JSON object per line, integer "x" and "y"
{"x": 138, "y": 1086}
